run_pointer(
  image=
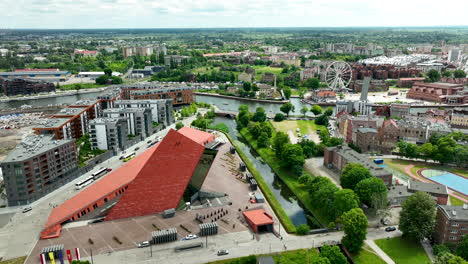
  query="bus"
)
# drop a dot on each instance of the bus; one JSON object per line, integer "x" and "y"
{"x": 84, "y": 183}
{"x": 129, "y": 155}
{"x": 99, "y": 173}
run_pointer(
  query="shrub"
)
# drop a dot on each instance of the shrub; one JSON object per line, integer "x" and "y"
{"x": 279, "y": 117}
{"x": 302, "y": 229}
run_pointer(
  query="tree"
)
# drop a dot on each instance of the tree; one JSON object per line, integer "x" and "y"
{"x": 308, "y": 147}
{"x": 279, "y": 117}
{"x": 440, "y": 249}
{"x": 433, "y": 76}
{"x": 344, "y": 200}
{"x": 102, "y": 79}
{"x": 355, "y": 229}
{"x": 319, "y": 260}
{"x": 286, "y": 108}
{"x": 461, "y": 157}
{"x": 302, "y": 229}
{"x": 446, "y": 73}
{"x": 254, "y": 129}
{"x": 445, "y": 150}
{"x": 449, "y": 258}
{"x": 263, "y": 140}
{"x": 259, "y": 115}
{"x": 280, "y": 140}
{"x": 417, "y": 216}
{"x": 304, "y": 179}
{"x": 328, "y": 112}
{"x": 333, "y": 253}
{"x": 108, "y": 72}
{"x": 459, "y": 74}
{"x": 287, "y": 92}
{"x": 352, "y": 174}
{"x": 462, "y": 248}
{"x": 179, "y": 125}
{"x": 426, "y": 151}
{"x": 292, "y": 155}
{"x": 247, "y": 86}
{"x": 316, "y": 109}
{"x": 304, "y": 110}
{"x": 366, "y": 189}
{"x": 322, "y": 120}
{"x": 312, "y": 83}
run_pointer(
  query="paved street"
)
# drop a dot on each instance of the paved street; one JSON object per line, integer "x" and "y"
{"x": 18, "y": 237}
{"x": 239, "y": 244}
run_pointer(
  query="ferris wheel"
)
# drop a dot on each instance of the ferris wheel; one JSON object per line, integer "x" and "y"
{"x": 338, "y": 75}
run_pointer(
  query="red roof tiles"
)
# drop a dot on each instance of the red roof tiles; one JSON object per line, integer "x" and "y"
{"x": 258, "y": 217}
{"x": 196, "y": 135}
{"x": 162, "y": 181}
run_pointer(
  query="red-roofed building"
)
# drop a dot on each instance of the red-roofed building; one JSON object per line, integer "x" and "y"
{"x": 259, "y": 220}
{"x": 106, "y": 189}
{"x": 86, "y": 53}
{"x": 162, "y": 181}
{"x": 36, "y": 70}
{"x": 196, "y": 135}
{"x": 323, "y": 95}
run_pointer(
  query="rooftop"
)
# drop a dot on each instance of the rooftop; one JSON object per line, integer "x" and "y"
{"x": 34, "y": 145}
{"x": 69, "y": 111}
{"x": 196, "y": 135}
{"x": 52, "y": 123}
{"x": 105, "y": 120}
{"x": 427, "y": 187}
{"x": 367, "y": 130}
{"x": 31, "y": 72}
{"x": 124, "y": 110}
{"x": 258, "y": 217}
{"x": 84, "y": 102}
{"x": 398, "y": 191}
{"x": 455, "y": 212}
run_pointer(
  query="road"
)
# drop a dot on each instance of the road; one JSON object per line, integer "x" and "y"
{"x": 239, "y": 245}
{"x": 18, "y": 237}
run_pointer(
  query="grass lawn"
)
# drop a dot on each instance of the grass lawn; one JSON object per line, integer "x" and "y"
{"x": 19, "y": 260}
{"x": 260, "y": 70}
{"x": 455, "y": 201}
{"x": 403, "y": 251}
{"x": 287, "y": 177}
{"x": 305, "y": 126}
{"x": 292, "y": 256}
{"x": 202, "y": 70}
{"x": 367, "y": 256}
{"x": 67, "y": 87}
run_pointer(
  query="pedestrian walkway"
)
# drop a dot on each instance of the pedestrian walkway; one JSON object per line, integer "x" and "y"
{"x": 379, "y": 252}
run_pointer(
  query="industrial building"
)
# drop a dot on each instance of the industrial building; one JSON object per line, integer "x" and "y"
{"x": 108, "y": 133}
{"x": 161, "y": 110}
{"x": 36, "y": 167}
{"x": 437, "y": 92}
{"x": 151, "y": 183}
{"x": 51, "y": 75}
{"x": 338, "y": 157}
{"x": 18, "y": 86}
{"x": 139, "y": 120}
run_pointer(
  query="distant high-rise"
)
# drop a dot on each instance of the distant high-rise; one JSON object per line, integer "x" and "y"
{"x": 454, "y": 55}
{"x": 365, "y": 88}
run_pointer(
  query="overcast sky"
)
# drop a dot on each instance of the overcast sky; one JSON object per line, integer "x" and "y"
{"x": 230, "y": 13}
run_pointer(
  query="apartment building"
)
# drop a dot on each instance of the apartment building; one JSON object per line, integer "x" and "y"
{"x": 108, "y": 133}
{"x": 37, "y": 166}
{"x": 139, "y": 120}
{"x": 451, "y": 223}
{"x": 161, "y": 109}
{"x": 17, "y": 86}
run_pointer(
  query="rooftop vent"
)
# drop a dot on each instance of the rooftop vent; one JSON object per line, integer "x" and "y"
{"x": 454, "y": 213}
{"x": 465, "y": 206}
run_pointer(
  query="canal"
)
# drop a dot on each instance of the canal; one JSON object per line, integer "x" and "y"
{"x": 291, "y": 205}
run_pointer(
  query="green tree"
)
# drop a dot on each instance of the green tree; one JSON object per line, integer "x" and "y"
{"x": 102, "y": 79}
{"x": 304, "y": 110}
{"x": 263, "y": 140}
{"x": 446, "y": 73}
{"x": 286, "y": 108}
{"x": 328, "y": 112}
{"x": 461, "y": 155}
{"x": 352, "y": 174}
{"x": 355, "y": 229}
{"x": 459, "y": 74}
{"x": 449, "y": 258}
{"x": 254, "y": 129}
{"x": 367, "y": 188}
{"x": 440, "y": 249}
{"x": 247, "y": 86}
{"x": 259, "y": 115}
{"x": 312, "y": 83}
{"x": 179, "y": 125}
{"x": 426, "y": 151}
{"x": 279, "y": 117}
{"x": 333, "y": 253}
{"x": 287, "y": 92}
{"x": 322, "y": 120}
{"x": 304, "y": 179}
{"x": 417, "y": 216}
{"x": 344, "y": 200}
{"x": 316, "y": 109}
{"x": 319, "y": 260}
{"x": 280, "y": 140}
{"x": 292, "y": 155}
{"x": 445, "y": 150}
{"x": 433, "y": 76}
{"x": 462, "y": 248}
{"x": 108, "y": 72}
{"x": 302, "y": 229}
{"x": 309, "y": 148}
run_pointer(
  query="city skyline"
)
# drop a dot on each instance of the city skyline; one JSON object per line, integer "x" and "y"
{"x": 61, "y": 14}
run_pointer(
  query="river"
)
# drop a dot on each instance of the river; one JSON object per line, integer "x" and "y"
{"x": 297, "y": 213}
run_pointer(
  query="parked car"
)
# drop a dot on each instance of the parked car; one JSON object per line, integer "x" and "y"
{"x": 144, "y": 244}
{"x": 27, "y": 209}
{"x": 137, "y": 148}
{"x": 108, "y": 169}
{"x": 223, "y": 252}
{"x": 390, "y": 229}
{"x": 149, "y": 141}
{"x": 190, "y": 237}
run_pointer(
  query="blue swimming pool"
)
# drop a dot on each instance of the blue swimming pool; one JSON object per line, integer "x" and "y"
{"x": 451, "y": 180}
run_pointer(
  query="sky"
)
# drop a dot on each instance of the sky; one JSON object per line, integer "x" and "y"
{"x": 74, "y": 14}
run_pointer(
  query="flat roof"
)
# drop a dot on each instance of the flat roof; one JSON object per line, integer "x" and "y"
{"x": 427, "y": 187}
{"x": 22, "y": 73}
{"x": 52, "y": 123}
{"x": 106, "y": 185}
{"x": 69, "y": 111}
{"x": 34, "y": 145}
{"x": 258, "y": 217}
{"x": 455, "y": 212}
{"x": 196, "y": 135}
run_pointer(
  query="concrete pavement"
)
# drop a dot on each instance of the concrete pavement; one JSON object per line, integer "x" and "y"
{"x": 379, "y": 252}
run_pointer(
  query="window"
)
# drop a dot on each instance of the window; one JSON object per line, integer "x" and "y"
{"x": 452, "y": 237}
{"x": 453, "y": 231}
{"x": 455, "y": 224}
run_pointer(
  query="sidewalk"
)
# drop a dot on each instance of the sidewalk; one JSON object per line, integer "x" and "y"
{"x": 379, "y": 252}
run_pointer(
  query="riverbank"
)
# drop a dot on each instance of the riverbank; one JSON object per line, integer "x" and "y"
{"x": 242, "y": 98}
{"x": 51, "y": 95}
{"x": 299, "y": 190}
{"x": 275, "y": 205}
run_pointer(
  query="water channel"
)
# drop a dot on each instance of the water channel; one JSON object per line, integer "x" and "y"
{"x": 295, "y": 211}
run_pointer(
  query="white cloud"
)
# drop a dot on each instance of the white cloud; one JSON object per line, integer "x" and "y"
{"x": 230, "y": 13}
